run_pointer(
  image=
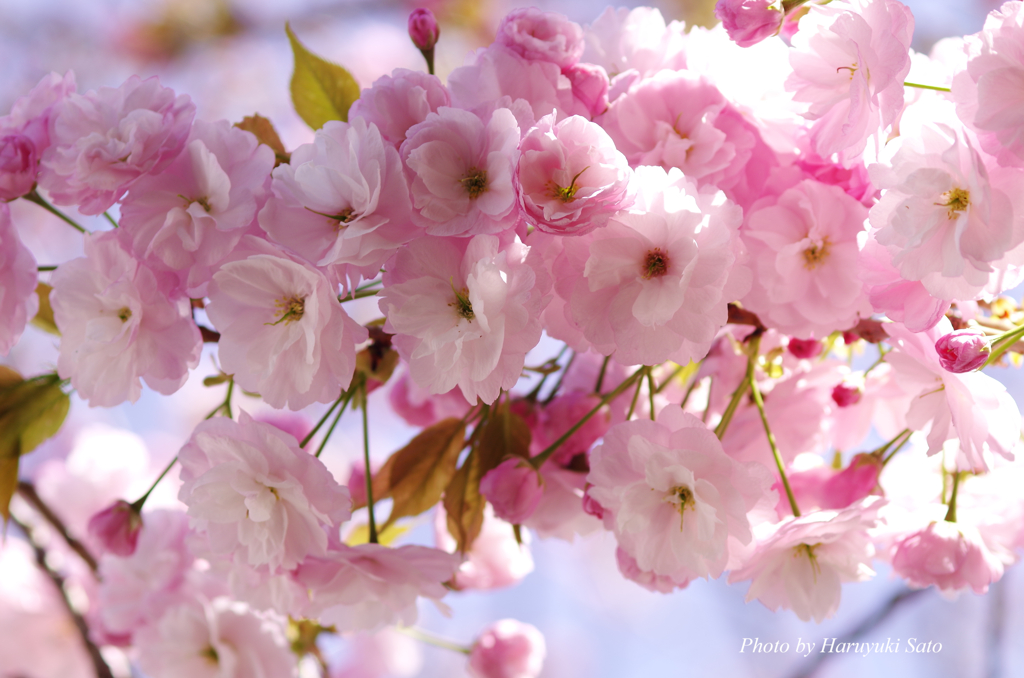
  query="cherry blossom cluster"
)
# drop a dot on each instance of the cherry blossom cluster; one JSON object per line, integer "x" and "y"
{"x": 769, "y": 256}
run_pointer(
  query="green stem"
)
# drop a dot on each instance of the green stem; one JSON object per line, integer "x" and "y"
{"x": 366, "y": 461}
{"x": 226, "y": 405}
{"x": 430, "y": 639}
{"x": 39, "y": 200}
{"x": 951, "y": 513}
{"x": 755, "y": 392}
{"x": 689, "y": 391}
{"x": 110, "y": 219}
{"x": 561, "y": 378}
{"x": 330, "y": 430}
{"x": 47, "y": 268}
{"x": 600, "y": 375}
{"x": 543, "y": 456}
{"x": 650, "y": 391}
{"x": 668, "y": 380}
{"x": 896, "y": 438}
{"x": 1001, "y": 343}
{"x": 931, "y": 87}
{"x": 734, "y": 402}
{"x": 789, "y": 5}
{"x": 428, "y": 54}
{"x": 323, "y": 419}
{"x": 138, "y": 503}
{"x": 881, "y": 359}
{"x": 532, "y": 395}
{"x": 636, "y": 397}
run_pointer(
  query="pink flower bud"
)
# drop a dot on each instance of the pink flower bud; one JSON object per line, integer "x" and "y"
{"x": 850, "y": 337}
{"x": 116, "y": 528}
{"x": 748, "y": 22}
{"x": 592, "y": 507}
{"x": 844, "y": 395}
{"x": 19, "y": 165}
{"x": 805, "y": 348}
{"x": 514, "y": 489}
{"x": 423, "y": 29}
{"x": 507, "y": 649}
{"x": 963, "y": 350}
{"x": 853, "y": 483}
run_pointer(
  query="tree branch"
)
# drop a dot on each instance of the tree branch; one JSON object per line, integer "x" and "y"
{"x": 29, "y": 494}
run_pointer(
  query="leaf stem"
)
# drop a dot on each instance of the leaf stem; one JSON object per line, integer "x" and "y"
{"x": 33, "y": 196}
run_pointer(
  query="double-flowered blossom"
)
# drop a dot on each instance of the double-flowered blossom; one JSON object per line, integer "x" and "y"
{"x": 120, "y": 323}
{"x": 508, "y": 649}
{"x": 396, "y": 102}
{"x": 255, "y": 493}
{"x": 948, "y": 555}
{"x": 460, "y": 170}
{"x": 283, "y": 333}
{"x": 572, "y": 179}
{"x": 542, "y": 36}
{"x": 749, "y": 21}
{"x": 672, "y": 496}
{"x": 342, "y": 202}
{"x": 104, "y": 141}
{"x": 464, "y": 312}
{"x": 653, "y": 284}
{"x": 849, "y": 61}
{"x": 18, "y": 274}
{"x": 193, "y": 214}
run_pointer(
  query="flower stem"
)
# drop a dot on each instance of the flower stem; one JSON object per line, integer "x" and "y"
{"x": 138, "y": 503}
{"x": 951, "y": 512}
{"x": 327, "y": 436}
{"x": 543, "y": 456}
{"x": 904, "y": 434}
{"x": 650, "y": 391}
{"x": 110, "y": 219}
{"x": 931, "y": 87}
{"x": 431, "y": 639}
{"x": 226, "y": 405}
{"x": 734, "y": 403}
{"x": 366, "y": 461}
{"x": 600, "y": 375}
{"x": 755, "y": 392}
{"x": 636, "y": 397}
{"x": 33, "y": 196}
{"x": 1002, "y": 343}
{"x": 561, "y": 378}
{"x": 323, "y": 419}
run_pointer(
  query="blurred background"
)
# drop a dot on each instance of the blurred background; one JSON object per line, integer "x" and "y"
{"x": 232, "y": 58}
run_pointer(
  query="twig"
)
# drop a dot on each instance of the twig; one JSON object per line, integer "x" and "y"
{"x": 29, "y": 494}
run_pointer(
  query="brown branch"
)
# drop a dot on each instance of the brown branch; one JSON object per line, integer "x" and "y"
{"x": 29, "y": 494}
{"x": 209, "y": 336}
{"x": 100, "y": 664}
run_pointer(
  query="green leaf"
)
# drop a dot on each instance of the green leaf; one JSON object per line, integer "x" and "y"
{"x": 321, "y": 91}
{"x": 44, "y": 318}
{"x": 422, "y": 469}
{"x": 30, "y": 412}
{"x": 8, "y": 485}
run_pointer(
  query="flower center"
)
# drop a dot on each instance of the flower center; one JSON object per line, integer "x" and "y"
{"x": 210, "y": 654}
{"x": 656, "y": 264}
{"x": 568, "y": 194}
{"x": 815, "y": 254}
{"x": 204, "y": 202}
{"x": 463, "y": 308}
{"x": 957, "y": 200}
{"x": 475, "y": 182}
{"x": 808, "y": 550}
{"x": 852, "y": 69}
{"x": 124, "y": 314}
{"x": 291, "y": 309}
{"x": 682, "y": 497}
{"x": 343, "y": 217}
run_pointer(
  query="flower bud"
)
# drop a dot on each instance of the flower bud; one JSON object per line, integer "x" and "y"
{"x": 845, "y": 395}
{"x": 507, "y": 649}
{"x": 591, "y": 506}
{"x": 805, "y": 348}
{"x": 963, "y": 350}
{"x": 748, "y": 22}
{"x": 423, "y": 29}
{"x": 514, "y": 489}
{"x": 116, "y": 528}
{"x": 19, "y": 165}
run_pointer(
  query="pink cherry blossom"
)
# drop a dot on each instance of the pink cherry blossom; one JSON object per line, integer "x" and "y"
{"x": 495, "y": 560}
{"x": 849, "y": 61}
{"x": 672, "y": 496}
{"x": 18, "y": 275}
{"x": 418, "y": 407}
{"x": 944, "y": 217}
{"x": 135, "y": 589}
{"x": 801, "y": 563}
{"x": 972, "y": 407}
{"x": 653, "y": 285}
{"x": 464, "y": 312}
{"x": 193, "y": 214}
{"x": 215, "y": 639}
{"x": 748, "y": 22}
{"x": 513, "y": 488}
{"x": 657, "y": 583}
{"x": 396, "y": 102}
{"x": 902, "y": 301}
{"x": 948, "y": 555}
{"x": 635, "y": 41}
{"x": 461, "y": 172}
{"x": 366, "y": 587}
{"x": 572, "y": 178}
{"x": 822, "y": 487}
{"x": 589, "y": 89}
{"x": 541, "y": 36}
{"x": 679, "y": 119}
{"x": 254, "y": 492}
{"x": 119, "y": 324}
{"x": 342, "y": 202}
{"x": 283, "y": 333}
{"x": 104, "y": 141}
{"x": 508, "y": 649}
{"x": 804, "y": 252}
{"x": 963, "y": 350}
{"x": 116, "y": 528}
{"x": 987, "y": 93}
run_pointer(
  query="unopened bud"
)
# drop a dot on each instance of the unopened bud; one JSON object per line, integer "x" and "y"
{"x": 748, "y": 22}
{"x": 507, "y": 649}
{"x": 845, "y": 395}
{"x": 963, "y": 350}
{"x": 423, "y": 29}
{"x": 116, "y": 528}
{"x": 805, "y": 348}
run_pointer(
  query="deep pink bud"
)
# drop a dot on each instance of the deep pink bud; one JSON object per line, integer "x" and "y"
{"x": 514, "y": 489}
{"x": 748, "y": 22}
{"x": 963, "y": 350}
{"x": 849, "y": 337}
{"x": 591, "y": 506}
{"x": 805, "y": 348}
{"x": 19, "y": 165}
{"x": 116, "y": 528}
{"x": 423, "y": 29}
{"x": 508, "y": 649}
{"x": 844, "y": 395}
